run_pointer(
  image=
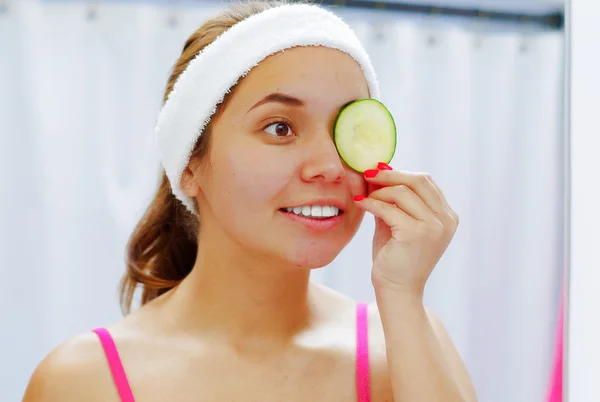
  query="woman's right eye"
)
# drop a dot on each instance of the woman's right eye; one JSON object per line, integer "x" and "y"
{"x": 279, "y": 129}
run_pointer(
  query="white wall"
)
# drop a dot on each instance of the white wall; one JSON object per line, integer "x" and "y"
{"x": 583, "y": 335}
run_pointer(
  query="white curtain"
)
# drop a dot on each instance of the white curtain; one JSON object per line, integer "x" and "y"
{"x": 481, "y": 110}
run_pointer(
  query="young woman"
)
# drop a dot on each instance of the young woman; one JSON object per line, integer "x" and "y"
{"x": 254, "y": 197}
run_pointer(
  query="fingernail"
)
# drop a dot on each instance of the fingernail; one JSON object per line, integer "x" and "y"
{"x": 384, "y": 166}
{"x": 370, "y": 173}
{"x": 359, "y": 197}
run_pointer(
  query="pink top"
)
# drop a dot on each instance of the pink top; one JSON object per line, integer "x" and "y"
{"x": 362, "y": 359}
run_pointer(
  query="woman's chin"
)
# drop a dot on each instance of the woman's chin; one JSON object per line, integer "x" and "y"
{"x": 313, "y": 257}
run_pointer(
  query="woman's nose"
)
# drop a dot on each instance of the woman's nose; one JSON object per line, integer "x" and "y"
{"x": 323, "y": 161}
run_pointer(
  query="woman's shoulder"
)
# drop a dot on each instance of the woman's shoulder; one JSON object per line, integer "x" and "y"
{"x": 75, "y": 370}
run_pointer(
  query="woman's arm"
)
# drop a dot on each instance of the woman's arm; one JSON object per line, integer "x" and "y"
{"x": 422, "y": 361}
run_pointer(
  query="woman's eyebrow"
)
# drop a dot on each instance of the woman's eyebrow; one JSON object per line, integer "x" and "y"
{"x": 278, "y": 98}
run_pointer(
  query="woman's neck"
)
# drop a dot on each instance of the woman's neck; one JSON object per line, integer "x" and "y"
{"x": 242, "y": 299}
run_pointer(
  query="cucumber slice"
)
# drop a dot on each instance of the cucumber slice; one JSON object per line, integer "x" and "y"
{"x": 364, "y": 134}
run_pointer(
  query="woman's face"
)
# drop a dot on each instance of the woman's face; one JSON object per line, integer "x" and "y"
{"x": 272, "y": 149}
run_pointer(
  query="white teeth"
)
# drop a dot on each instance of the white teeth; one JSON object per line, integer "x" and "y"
{"x": 315, "y": 211}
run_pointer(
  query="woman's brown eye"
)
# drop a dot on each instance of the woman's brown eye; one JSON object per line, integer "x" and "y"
{"x": 279, "y": 129}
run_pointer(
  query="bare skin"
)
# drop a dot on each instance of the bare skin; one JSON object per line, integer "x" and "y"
{"x": 248, "y": 324}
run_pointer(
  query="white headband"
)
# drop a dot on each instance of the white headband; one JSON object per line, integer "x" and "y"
{"x": 218, "y": 67}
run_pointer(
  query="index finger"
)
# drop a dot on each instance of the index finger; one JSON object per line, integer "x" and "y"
{"x": 421, "y": 183}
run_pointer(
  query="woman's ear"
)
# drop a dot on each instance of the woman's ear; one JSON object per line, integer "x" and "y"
{"x": 188, "y": 183}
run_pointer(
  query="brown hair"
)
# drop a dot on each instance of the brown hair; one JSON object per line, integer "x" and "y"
{"x": 162, "y": 248}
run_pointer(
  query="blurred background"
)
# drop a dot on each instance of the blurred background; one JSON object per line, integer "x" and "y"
{"x": 477, "y": 91}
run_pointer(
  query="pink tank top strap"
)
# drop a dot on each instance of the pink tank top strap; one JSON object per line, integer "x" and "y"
{"x": 363, "y": 383}
{"x": 115, "y": 364}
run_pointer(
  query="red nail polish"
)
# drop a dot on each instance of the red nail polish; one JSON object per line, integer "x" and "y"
{"x": 359, "y": 197}
{"x": 370, "y": 173}
{"x": 384, "y": 166}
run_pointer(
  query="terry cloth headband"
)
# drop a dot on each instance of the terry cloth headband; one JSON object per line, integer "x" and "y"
{"x": 219, "y": 66}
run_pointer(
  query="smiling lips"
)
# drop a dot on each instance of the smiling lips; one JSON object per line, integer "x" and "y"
{"x": 314, "y": 217}
{"x": 314, "y": 211}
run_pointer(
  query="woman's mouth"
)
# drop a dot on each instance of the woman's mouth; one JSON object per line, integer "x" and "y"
{"x": 314, "y": 217}
{"x": 314, "y": 211}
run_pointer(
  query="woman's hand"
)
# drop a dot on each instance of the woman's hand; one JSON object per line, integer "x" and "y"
{"x": 413, "y": 227}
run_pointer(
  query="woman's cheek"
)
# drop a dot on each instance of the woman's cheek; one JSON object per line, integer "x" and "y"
{"x": 357, "y": 183}
{"x": 255, "y": 176}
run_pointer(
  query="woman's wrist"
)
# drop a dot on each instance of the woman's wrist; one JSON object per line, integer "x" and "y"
{"x": 398, "y": 296}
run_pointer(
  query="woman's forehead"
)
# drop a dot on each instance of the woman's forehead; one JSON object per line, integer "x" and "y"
{"x": 308, "y": 73}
